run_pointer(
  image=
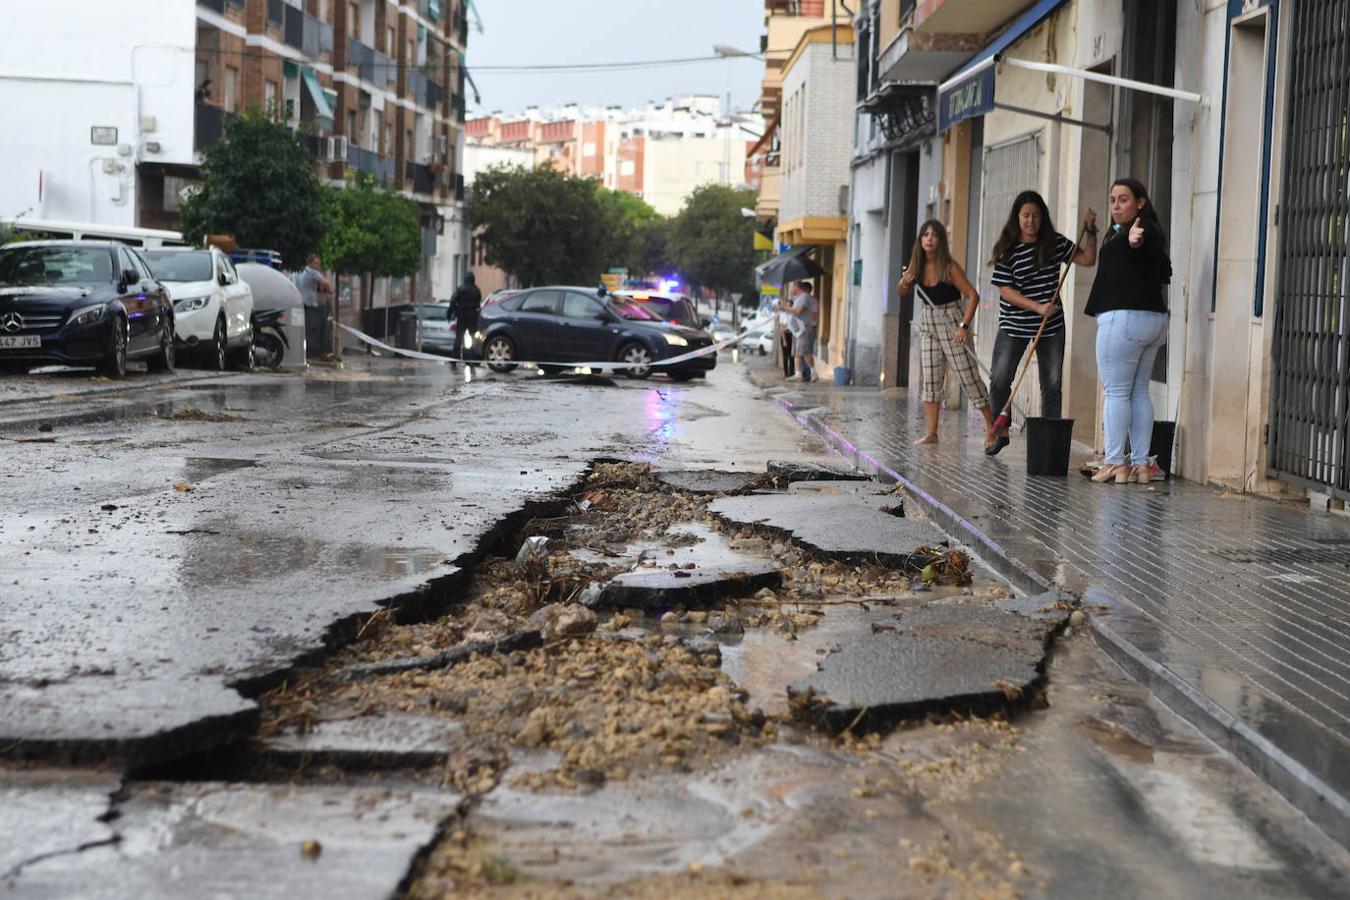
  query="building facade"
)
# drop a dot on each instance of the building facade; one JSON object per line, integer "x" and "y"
{"x": 1232, "y": 113}
{"x": 377, "y": 86}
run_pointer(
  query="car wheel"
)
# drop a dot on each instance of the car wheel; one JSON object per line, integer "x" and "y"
{"x": 639, "y": 360}
{"x": 499, "y": 353}
{"x": 114, "y": 362}
{"x": 243, "y": 357}
{"x": 763, "y": 352}
{"x": 215, "y": 351}
{"x": 167, "y": 354}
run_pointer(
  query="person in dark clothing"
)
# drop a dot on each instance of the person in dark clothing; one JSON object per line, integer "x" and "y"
{"x": 464, "y": 306}
{"x": 1129, "y": 301}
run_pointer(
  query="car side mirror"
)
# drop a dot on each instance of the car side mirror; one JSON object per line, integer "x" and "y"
{"x": 706, "y": 323}
{"x": 130, "y": 277}
{"x": 222, "y": 279}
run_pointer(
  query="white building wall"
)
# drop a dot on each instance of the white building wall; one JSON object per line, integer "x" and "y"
{"x": 106, "y": 64}
{"x": 817, "y": 139}
{"x": 673, "y": 168}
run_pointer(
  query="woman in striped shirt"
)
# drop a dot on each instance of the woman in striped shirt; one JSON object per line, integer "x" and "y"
{"x": 1026, "y": 264}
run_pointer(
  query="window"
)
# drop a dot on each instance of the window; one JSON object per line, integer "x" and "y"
{"x": 389, "y": 41}
{"x": 354, "y": 21}
{"x": 379, "y": 132}
{"x": 231, "y": 88}
{"x": 588, "y": 148}
{"x": 626, "y": 167}
{"x": 270, "y": 98}
{"x": 579, "y": 306}
{"x": 388, "y": 138}
{"x": 698, "y": 169}
{"x": 540, "y": 302}
{"x": 351, "y": 127}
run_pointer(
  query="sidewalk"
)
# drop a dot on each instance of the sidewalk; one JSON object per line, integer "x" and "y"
{"x": 1234, "y": 609}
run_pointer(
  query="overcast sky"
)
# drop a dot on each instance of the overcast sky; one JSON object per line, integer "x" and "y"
{"x": 531, "y": 32}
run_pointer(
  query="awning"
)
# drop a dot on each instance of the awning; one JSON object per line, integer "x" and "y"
{"x": 970, "y": 92}
{"x": 323, "y": 110}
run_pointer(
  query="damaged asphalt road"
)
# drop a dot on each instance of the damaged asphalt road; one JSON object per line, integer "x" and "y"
{"x": 282, "y": 626}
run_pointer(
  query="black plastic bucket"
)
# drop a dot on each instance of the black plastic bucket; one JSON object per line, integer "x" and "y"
{"x": 1164, "y": 438}
{"x": 1048, "y": 443}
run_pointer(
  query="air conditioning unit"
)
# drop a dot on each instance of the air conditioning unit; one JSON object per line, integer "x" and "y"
{"x": 337, "y": 148}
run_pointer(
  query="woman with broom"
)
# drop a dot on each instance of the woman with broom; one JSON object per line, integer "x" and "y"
{"x": 1129, "y": 301}
{"x": 1026, "y": 264}
{"x": 944, "y": 326}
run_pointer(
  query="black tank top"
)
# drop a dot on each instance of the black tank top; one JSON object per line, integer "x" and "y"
{"x": 942, "y": 293}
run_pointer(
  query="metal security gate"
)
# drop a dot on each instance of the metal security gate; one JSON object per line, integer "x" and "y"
{"x": 1310, "y": 395}
{"x": 1009, "y": 169}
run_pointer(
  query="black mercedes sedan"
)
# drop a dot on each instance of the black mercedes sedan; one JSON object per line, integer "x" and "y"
{"x": 82, "y": 303}
{"x": 563, "y": 327}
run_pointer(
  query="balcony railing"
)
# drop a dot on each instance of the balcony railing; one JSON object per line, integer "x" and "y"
{"x": 381, "y": 168}
{"x": 459, "y": 186}
{"x": 422, "y": 178}
{"x": 457, "y": 107}
{"x": 371, "y": 64}
{"x": 435, "y": 95}
{"x": 276, "y": 12}
{"x": 306, "y": 33}
{"x": 207, "y": 126}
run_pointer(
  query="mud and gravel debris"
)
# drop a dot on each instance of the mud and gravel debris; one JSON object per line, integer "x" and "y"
{"x": 193, "y": 414}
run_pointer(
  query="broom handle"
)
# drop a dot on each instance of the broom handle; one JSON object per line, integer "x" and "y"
{"x": 1045, "y": 320}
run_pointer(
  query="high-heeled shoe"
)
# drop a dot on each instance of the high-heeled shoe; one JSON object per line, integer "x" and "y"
{"x": 1141, "y": 474}
{"x": 1120, "y": 473}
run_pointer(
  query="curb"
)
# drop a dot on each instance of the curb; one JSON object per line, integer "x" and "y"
{"x": 1328, "y": 809}
{"x": 118, "y": 388}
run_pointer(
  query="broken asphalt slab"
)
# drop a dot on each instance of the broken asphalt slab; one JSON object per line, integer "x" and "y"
{"x": 240, "y": 840}
{"x": 391, "y": 740}
{"x": 47, "y": 814}
{"x": 939, "y": 658}
{"x": 784, "y": 472}
{"x": 710, "y": 482}
{"x": 694, "y": 575}
{"x": 846, "y": 524}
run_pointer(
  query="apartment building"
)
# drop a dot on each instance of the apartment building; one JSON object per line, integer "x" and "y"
{"x": 377, "y": 85}
{"x": 660, "y": 153}
{"x": 785, "y": 21}
{"x": 1231, "y": 113}
{"x": 815, "y": 129}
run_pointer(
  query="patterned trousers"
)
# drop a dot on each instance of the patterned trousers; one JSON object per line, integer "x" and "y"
{"x": 938, "y": 350}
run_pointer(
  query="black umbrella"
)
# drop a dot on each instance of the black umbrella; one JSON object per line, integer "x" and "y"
{"x": 793, "y": 265}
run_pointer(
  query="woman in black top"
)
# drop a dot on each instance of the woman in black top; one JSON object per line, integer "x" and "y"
{"x": 1026, "y": 264}
{"x": 943, "y": 326}
{"x": 1128, "y": 298}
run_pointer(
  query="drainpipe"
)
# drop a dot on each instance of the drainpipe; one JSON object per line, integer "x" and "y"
{"x": 834, "y": 29}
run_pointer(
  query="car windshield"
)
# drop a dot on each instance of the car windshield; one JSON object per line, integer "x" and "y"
{"x": 21, "y": 266}
{"x": 627, "y": 309}
{"x": 190, "y": 265}
{"x": 670, "y": 309}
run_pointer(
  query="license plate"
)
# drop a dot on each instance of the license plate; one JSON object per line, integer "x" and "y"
{"x": 20, "y": 342}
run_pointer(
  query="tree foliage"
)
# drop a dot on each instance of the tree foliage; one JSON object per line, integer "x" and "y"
{"x": 259, "y": 184}
{"x": 371, "y": 232}
{"x": 543, "y": 226}
{"x": 712, "y": 242}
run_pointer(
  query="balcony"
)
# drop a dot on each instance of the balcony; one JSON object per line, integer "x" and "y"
{"x": 207, "y": 126}
{"x": 459, "y": 187}
{"x": 381, "y": 168}
{"x": 372, "y": 65}
{"x": 457, "y": 107}
{"x": 417, "y": 87}
{"x": 306, "y": 33}
{"x": 216, "y": 5}
{"x": 276, "y": 13}
{"x": 435, "y": 96}
{"x": 422, "y": 178}
{"x": 430, "y": 9}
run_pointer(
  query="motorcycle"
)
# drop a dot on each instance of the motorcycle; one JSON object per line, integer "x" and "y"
{"x": 269, "y": 337}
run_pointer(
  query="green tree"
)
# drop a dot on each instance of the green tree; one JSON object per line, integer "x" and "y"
{"x": 372, "y": 233}
{"x": 542, "y": 226}
{"x": 626, "y": 219}
{"x": 259, "y": 184}
{"x": 712, "y": 242}
{"x": 654, "y": 253}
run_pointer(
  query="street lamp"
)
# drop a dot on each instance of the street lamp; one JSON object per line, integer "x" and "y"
{"x": 726, "y": 51}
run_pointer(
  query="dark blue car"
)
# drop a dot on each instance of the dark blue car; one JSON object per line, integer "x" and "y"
{"x": 561, "y": 327}
{"x": 82, "y": 303}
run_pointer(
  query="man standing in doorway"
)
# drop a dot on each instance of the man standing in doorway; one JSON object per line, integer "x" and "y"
{"x": 807, "y": 310}
{"x": 464, "y": 307}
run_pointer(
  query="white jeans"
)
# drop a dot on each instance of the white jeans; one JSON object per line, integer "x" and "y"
{"x": 1127, "y": 343}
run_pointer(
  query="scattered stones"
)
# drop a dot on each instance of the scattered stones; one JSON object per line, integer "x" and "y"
{"x": 557, "y": 620}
